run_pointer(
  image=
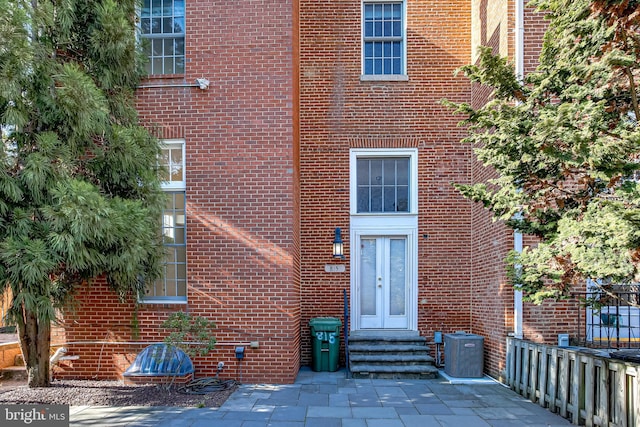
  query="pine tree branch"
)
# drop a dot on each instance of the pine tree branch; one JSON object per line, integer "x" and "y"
{"x": 632, "y": 90}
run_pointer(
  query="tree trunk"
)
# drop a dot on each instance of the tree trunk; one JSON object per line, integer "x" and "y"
{"x": 35, "y": 342}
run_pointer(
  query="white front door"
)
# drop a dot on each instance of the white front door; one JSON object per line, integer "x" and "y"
{"x": 383, "y": 282}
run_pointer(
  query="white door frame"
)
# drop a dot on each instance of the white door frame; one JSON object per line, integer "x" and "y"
{"x": 375, "y": 227}
{"x": 385, "y": 224}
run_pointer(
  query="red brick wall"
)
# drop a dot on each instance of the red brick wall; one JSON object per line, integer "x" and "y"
{"x": 242, "y": 198}
{"x": 339, "y": 112}
{"x": 535, "y": 26}
{"x": 268, "y": 181}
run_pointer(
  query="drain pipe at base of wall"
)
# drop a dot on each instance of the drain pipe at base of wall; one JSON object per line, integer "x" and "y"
{"x": 252, "y": 344}
{"x": 517, "y": 295}
{"x": 517, "y": 236}
{"x": 62, "y": 347}
{"x": 62, "y": 350}
{"x": 57, "y": 355}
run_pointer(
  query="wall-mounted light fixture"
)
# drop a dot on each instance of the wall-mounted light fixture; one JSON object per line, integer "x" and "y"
{"x": 203, "y": 83}
{"x": 338, "y": 247}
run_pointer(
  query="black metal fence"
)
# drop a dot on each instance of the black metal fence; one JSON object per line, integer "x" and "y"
{"x": 608, "y": 318}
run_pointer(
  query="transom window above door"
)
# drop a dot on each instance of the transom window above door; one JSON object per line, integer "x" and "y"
{"x": 383, "y": 181}
{"x": 383, "y": 185}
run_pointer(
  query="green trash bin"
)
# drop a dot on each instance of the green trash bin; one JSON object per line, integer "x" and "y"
{"x": 325, "y": 343}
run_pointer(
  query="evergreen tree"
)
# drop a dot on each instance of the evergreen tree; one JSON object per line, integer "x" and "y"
{"x": 565, "y": 145}
{"x": 79, "y": 193}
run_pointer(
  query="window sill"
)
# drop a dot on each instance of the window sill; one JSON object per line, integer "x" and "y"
{"x": 162, "y": 301}
{"x": 384, "y": 78}
{"x": 165, "y": 80}
{"x": 383, "y": 214}
{"x": 164, "y": 76}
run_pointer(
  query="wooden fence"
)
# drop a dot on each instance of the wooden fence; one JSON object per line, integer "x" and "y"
{"x": 576, "y": 383}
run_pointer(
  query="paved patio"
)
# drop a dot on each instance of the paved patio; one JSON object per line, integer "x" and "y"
{"x": 331, "y": 400}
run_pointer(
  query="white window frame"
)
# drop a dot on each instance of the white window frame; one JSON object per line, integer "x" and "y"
{"x": 403, "y": 76}
{"x": 164, "y": 36}
{"x": 173, "y": 187}
{"x": 411, "y": 153}
{"x": 176, "y": 185}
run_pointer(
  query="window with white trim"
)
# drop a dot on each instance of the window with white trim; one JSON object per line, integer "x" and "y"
{"x": 172, "y": 286}
{"x": 171, "y": 162}
{"x": 383, "y": 184}
{"x": 162, "y": 28}
{"x": 383, "y": 38}
{"x": 383, "y": 181}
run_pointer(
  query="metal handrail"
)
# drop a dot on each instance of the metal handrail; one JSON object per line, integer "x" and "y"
{"x": 346, "y": 331}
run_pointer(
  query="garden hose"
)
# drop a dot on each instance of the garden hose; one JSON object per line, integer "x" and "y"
{"x": 206, "y": 385}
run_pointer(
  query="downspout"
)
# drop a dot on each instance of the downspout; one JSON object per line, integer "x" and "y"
{"x": 517, "y": 295}
{"x": 517, "y": 236}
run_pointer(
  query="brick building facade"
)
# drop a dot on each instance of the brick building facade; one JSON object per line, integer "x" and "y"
{"x": 310, "y": 116}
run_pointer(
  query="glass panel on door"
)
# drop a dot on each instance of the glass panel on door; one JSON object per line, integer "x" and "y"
{"x": 397, "y": 277}
{"x": 368, "y": 261}
{"x": 383, "y": 282}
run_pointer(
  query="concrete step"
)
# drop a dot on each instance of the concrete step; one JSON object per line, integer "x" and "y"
{"x": 376, "y": 359}
{"x": 393, "y": 371}
{"x": 386, "y": 348}
{"x": 390, "y": 354}
{"x": 385, "y": 337}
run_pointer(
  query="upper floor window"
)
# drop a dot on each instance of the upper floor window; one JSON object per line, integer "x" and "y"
{"x": 162, "y": 27}
{"x": 383, "y": 38}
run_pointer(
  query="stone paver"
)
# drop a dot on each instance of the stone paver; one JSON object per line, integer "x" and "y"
{"x": 329, "y": 399}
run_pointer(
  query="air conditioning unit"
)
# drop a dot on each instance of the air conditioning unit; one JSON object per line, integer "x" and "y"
{"x": 463, "y": 355}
